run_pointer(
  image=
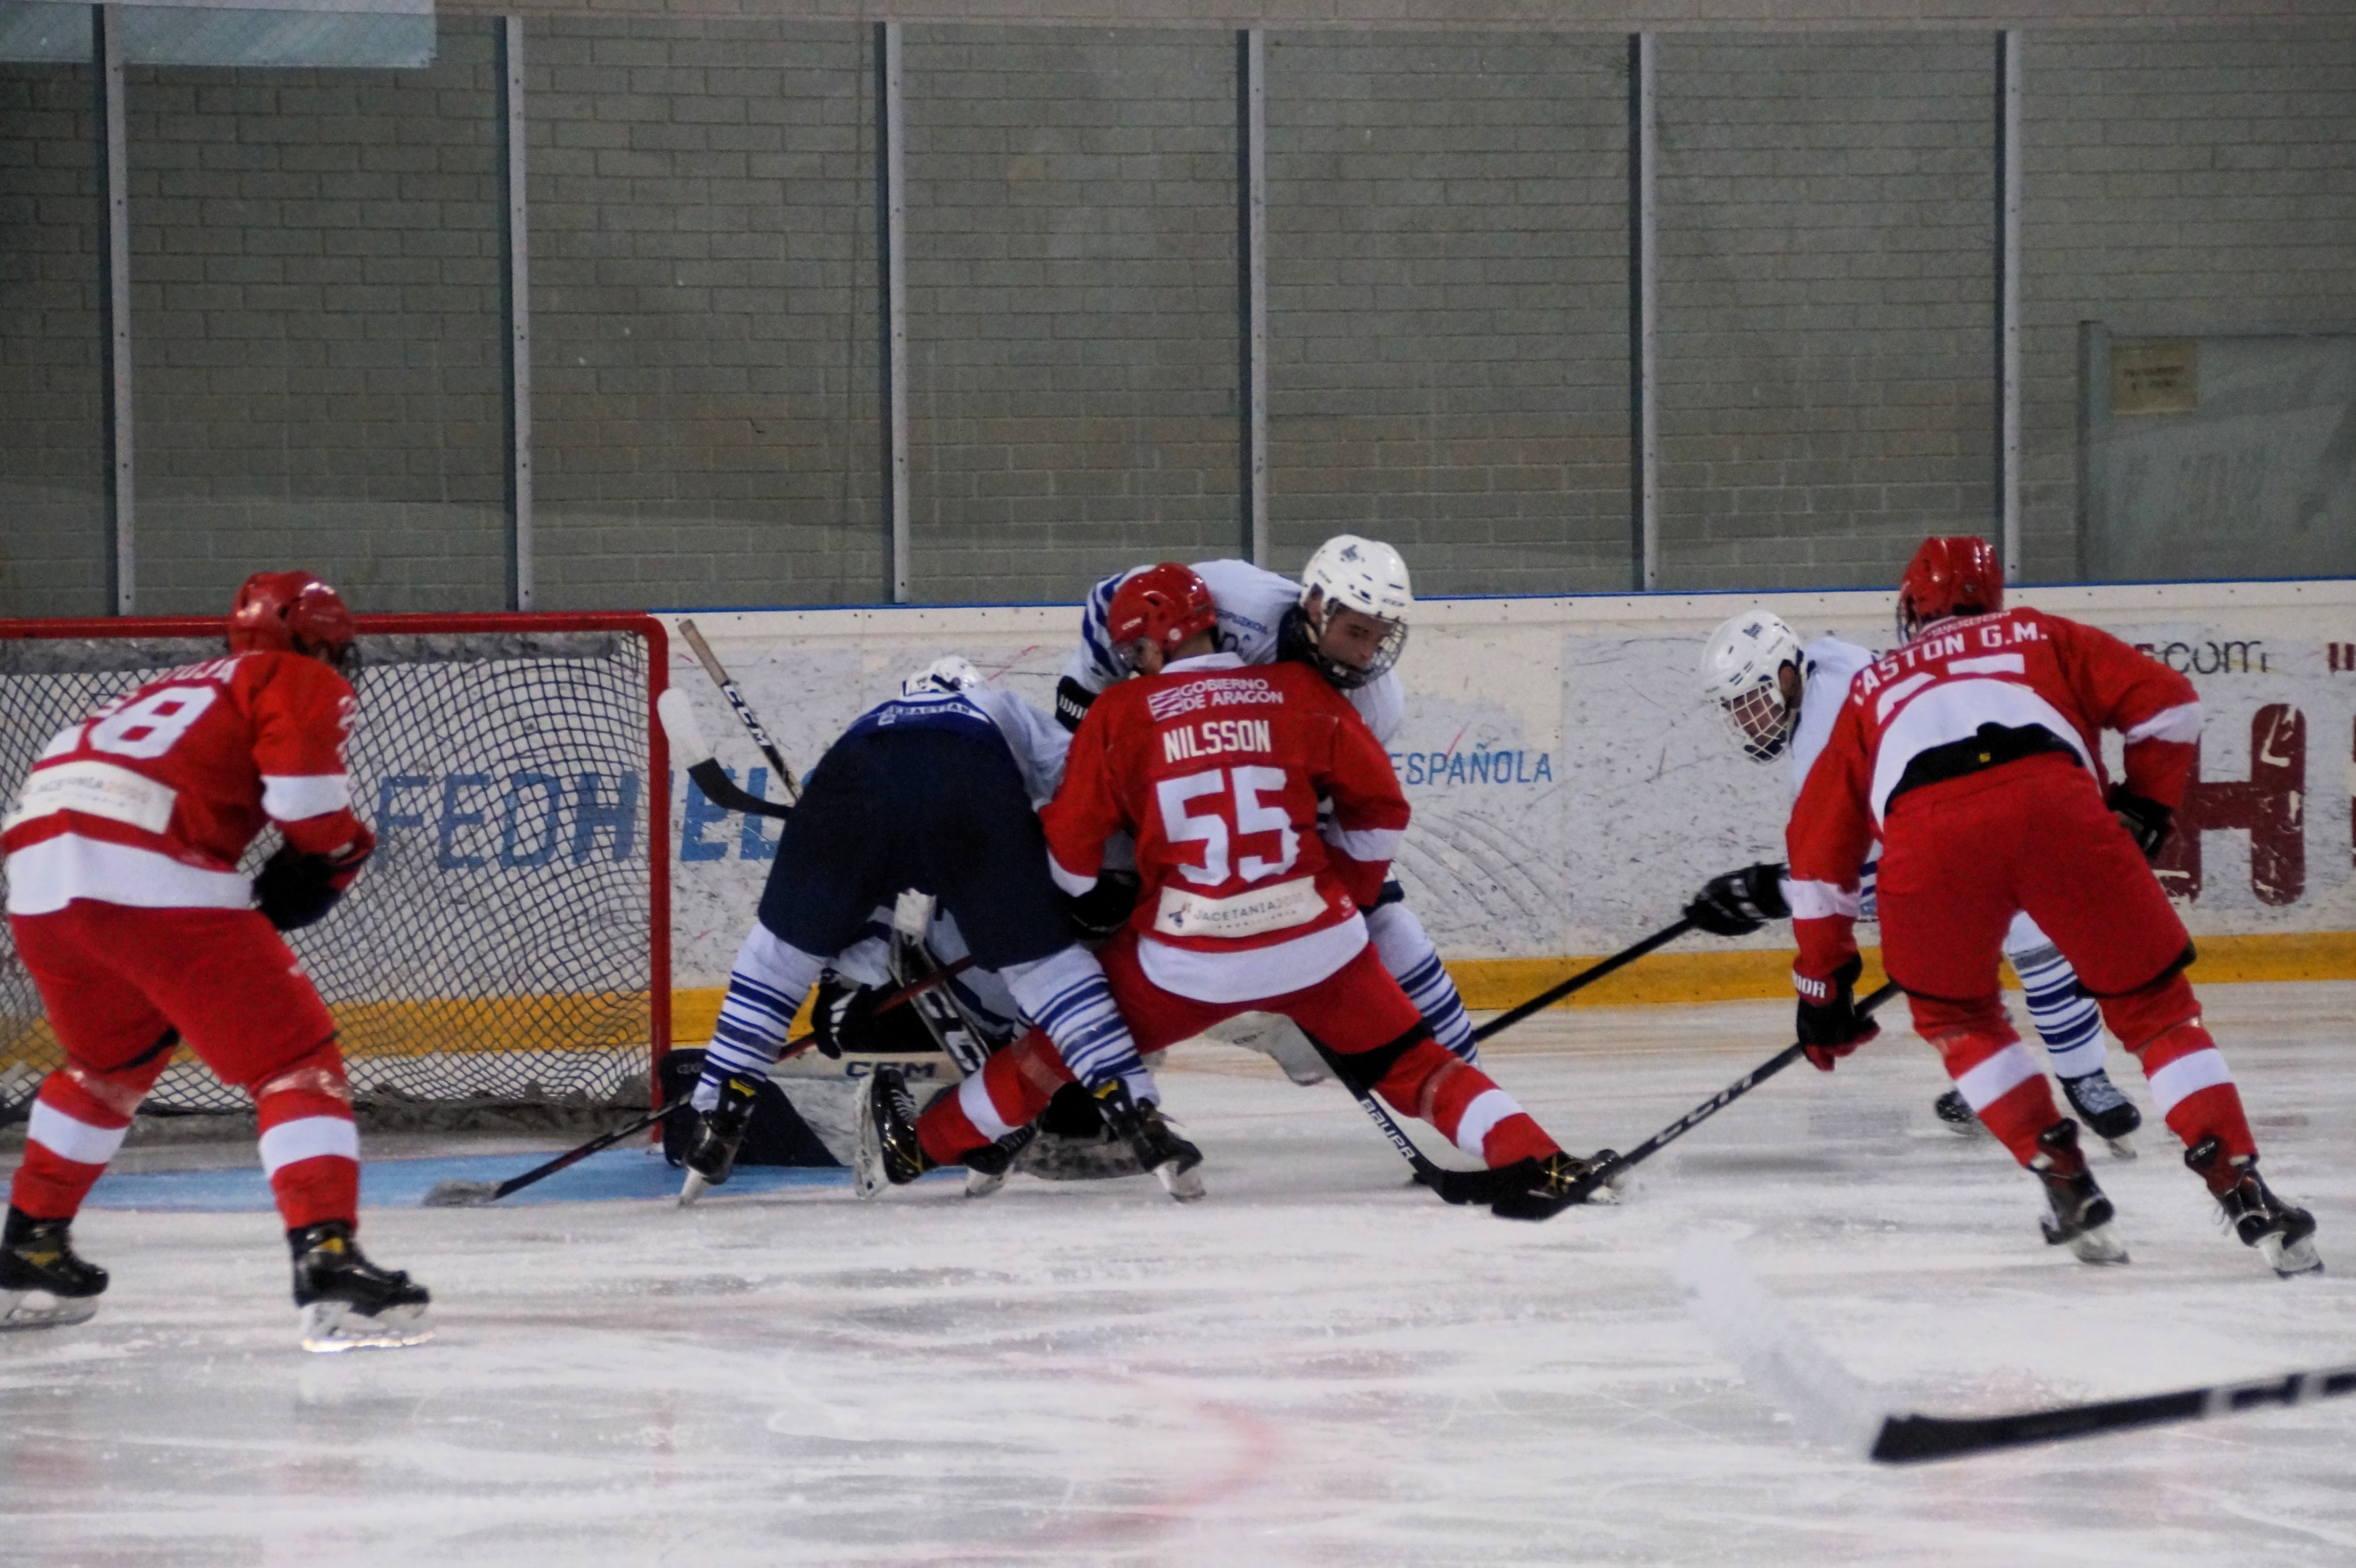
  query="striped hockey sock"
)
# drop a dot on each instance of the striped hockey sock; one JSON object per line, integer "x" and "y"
{"x": 1011, "y": 1090}
{"x": 2067, "y": 1019}
{"x": 1066, "y": 995}
{"x": 310, "y": 1148}
{"x": 2194, "y": 1089}
{"x": 1407, "y": 952}
{"x": 2002, "y": 1083}
{"x": 765, "y": 991}
{"x": 1466, "y": 1104}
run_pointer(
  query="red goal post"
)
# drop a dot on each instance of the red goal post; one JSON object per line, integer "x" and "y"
{"x": 510, "y": 942}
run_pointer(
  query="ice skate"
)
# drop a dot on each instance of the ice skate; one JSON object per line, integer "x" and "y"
{"x": 2110, "y": 1115}
{"x": 986, "y": 1168}
{"x": 886, "y": 1152}
{"x": 1173, "y": 1161}
{"x": 1955, "y": 1113}
{"x": 1541, "y": 1189}
{"x": 43, "y": 1283}
{"x": 2081, "y": 1215}
{"x": 2283, "y": 1233}
{"x": 719, "y": 1134}
{"x": 349, "y": 1303}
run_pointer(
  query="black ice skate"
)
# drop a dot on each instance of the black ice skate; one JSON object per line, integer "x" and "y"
{"x": 1541, "y": 1189}
{"x": 719, "y": 1134}
{"x": 2284, "y": 1235}
{"x": 1075, "y": 1144}
{"x": 43, "y": 1284}
{"x": 349, "y": 1303}
{"x": 987, "y": 1166}
{"x": 2108, "y": 1113}
{"x": 2081, "y": 1215}
{"x": 885, "y": 1152}
{"x": 1159, "y": 1148}
{"x": 1955, "y": 1113}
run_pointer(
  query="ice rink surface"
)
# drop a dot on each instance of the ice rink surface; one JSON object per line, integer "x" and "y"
{"x": 1317, "y": 1365}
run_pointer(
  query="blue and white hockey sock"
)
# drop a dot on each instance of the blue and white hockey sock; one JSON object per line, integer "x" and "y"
{"x": 1066, "y": 995}
{"x": 765, "y": 991}
{"x": 2067, "y": 1020}
{"x": 1414, "y": 963}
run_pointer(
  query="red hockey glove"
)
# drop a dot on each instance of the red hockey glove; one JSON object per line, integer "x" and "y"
{"x": 2147, "y": 821}
{"x": 1739, "y": 903}
{"x": 1829, "y": 1024}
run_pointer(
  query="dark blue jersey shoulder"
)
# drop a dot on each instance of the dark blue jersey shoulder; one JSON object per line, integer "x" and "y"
{"x": 945, "y": 713}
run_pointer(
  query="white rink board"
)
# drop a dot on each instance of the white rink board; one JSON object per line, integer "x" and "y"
{"x": 1570, "y": 789}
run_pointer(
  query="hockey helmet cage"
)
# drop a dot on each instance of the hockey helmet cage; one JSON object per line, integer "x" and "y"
{"x": 1741, "y": 677}
{"x": 1163, "y": 604}
{"x": 950, "y": 672}
{"x": 1366, "y": 575}
{"x": 1952, "y": 574}
{"x": 291, "y": 612}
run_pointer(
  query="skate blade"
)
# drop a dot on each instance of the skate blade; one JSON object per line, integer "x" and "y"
{"x": 2098, "y": 1244}
{"x": 981, "y": 1184}
{"x": 2121, "y": 1148}
{"x": 330, "y": 1328}
{"x": 693, "y": 1188}
{"x": 2293, "y": 1259}
{"x": 39, "y": 1309}
{"x": 1186, "y": 1186}
{"x": 867, "y": 1177}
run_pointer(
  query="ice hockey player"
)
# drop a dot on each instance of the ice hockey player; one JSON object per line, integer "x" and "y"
{"x": 131, "y": 916}
{"x": 933, "y": 790}
{"x": 1975, "y": 749}
{"x": 1250, "y": 904}
{"x": 1347, "y": 619}
{"x": 1780, "y": 700}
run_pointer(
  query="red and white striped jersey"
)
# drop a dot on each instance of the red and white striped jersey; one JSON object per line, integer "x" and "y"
{"x": 2021, "y": 667}
{"x": 1218, "y": 769}
{"x": 151, "y": 800}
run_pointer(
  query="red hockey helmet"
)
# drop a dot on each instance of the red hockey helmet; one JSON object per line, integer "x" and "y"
{"x": 291, "y": 612}
{"x": 1162, "y": 604}
{"x": 1952, "y": 574}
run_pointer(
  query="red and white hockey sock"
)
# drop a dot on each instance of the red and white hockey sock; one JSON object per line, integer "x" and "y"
{"x": 1464, "y": 1103}
{"x": 79, "y": 1121}
{"x": 1011, "y": 1090}
{"x": 2003, "y": 1084}
{"x": 2194, "y": 1089}
{"x": 310, "y": 1149}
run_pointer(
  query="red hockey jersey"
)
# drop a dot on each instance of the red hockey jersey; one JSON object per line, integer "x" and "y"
{"x": 1219, "y": 769}
{"x": 151, "y": 800}
{"x": 2016, "y": 669}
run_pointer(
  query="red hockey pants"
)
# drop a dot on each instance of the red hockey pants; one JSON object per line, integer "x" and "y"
{"x": 118, "y": 982}
{"x": 1357, "y": 1011}
{"x": 1959, "y": 860}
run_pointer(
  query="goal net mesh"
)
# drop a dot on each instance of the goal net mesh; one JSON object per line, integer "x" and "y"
{"x": 497, "y": 950}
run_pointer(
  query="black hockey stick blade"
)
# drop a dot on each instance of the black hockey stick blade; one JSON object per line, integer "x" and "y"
{"x": 691, "y": 752}
{"x": 743, "y": 709}
{"x": 724, "y": 792}
{"x": 1608, "y": 1170}
{"x": 1586, "y": 977}
{"x": 1912, "y": 1439}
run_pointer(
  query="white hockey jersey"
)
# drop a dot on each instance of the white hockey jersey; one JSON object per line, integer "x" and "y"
{"x": 1251, "y": 603}
{"x": 1826, "y": 667}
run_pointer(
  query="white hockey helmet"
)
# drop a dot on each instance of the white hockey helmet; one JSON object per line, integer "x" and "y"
{"x": 950, "y": 672}
{"x": 1366, "y": 575}
{"x": 1740, "y": 677}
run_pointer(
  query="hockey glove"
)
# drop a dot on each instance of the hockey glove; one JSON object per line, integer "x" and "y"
{"x": 842, "y": 1016}
{"x": 1096, "y": 916}
{"x": 1072, "y": 702}
{"x": 1829, "y": 1024}
{"x": 1739, "y": 903}
{"x": 295, "y": 889}
{"x": 2147, "y": 821}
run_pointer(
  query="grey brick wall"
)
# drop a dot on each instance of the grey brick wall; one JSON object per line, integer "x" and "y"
{"x": 1071, "y": 305}
{"x": 2185, "y": 183}
{"x": 703, "y": 313}
{"x": 53, "y": 539}
{"x": 1448, "y": 305}
{"x": 1826, "y": 316}
{"x": 316, "y": 330}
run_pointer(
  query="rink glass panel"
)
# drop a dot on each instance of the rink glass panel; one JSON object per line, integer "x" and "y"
{"x": 53, "y": 527}
{"x": 316, "y": 330}
{"x": 1071, "y": 306}
{"x": 703, "y": 313}
{"x": 495, "y": 948}
{"x": 1448, "y": 305}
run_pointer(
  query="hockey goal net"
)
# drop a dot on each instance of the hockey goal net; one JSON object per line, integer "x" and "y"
{"x": 510, "y": 941}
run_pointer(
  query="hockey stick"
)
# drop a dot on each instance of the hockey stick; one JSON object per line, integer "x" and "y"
{"x": 1593, "y": 973}
{"x": 1911, "y": 1439}
{"x": 687, "y": 742}
{"x": 1453, "y": 1186}
{"x": 1609, "y": 1166}
{"x": 719, "y": 674}
{"x": 475, "y": 1194}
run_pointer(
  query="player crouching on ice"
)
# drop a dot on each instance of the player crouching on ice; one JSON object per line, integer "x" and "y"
{"x": 1974, "y": 748}
{"x": 1780, "y": 700}
{"x": 1217, "y": 770}
{"x": 131, "y": 915}
{"x": 932, "y": 791}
